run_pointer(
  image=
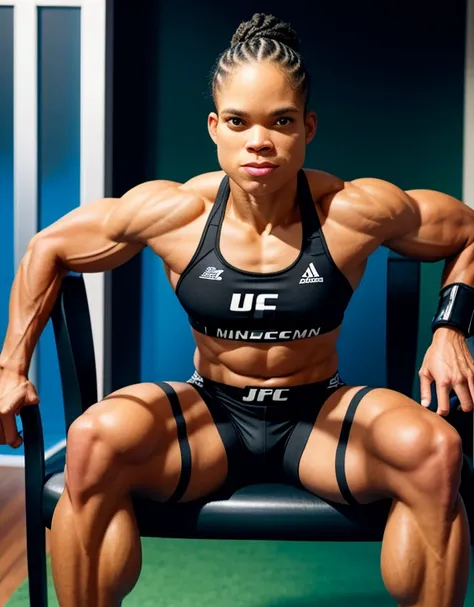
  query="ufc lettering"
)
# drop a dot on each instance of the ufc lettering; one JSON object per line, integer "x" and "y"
{"x": 246, "y": 305}
{"x": 259, "y": 394}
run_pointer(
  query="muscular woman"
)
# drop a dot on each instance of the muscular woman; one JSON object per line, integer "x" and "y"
{"x": 264, "y": 256}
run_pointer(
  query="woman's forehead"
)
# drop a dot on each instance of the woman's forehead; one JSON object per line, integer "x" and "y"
{"x": 257, "y": 84}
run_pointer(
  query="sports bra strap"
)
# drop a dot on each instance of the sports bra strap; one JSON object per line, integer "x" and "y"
{"x": 211, "y": 229}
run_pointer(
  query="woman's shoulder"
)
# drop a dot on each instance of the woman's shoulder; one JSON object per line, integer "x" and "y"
{"x": 323, "y": 184}
{"x": 205, "y": 184}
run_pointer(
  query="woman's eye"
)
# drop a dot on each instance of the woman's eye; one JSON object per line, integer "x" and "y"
{"x": 238, "y": 121}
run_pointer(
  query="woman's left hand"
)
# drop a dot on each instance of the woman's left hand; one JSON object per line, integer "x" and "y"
{"x": 449, "y": 363}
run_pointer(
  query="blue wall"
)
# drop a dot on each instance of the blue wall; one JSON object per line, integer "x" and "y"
{"x": 6, "y": 163}
{"x": 6, "y": 170}
{"x": 58, "y": 170}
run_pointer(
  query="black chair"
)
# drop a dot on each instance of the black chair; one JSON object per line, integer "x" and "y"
{"x": 263, "y": 511}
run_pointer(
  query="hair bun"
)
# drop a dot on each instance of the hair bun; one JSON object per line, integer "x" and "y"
{"x": 266, "y": 26}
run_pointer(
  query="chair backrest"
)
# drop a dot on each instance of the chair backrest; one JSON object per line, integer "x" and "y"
{"x": 403, "y": 298}
{"x": 75, "y": 347}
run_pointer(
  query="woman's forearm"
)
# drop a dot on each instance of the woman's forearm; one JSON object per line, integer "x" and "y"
{"x": 33, "y": 294}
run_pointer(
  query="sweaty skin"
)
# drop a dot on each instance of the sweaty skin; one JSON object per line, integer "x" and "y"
{"x": 128, "y": 441}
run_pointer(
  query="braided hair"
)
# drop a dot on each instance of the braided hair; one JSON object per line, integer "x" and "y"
{"x": 264, "y": 38}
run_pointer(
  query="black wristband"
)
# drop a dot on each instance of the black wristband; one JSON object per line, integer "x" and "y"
{"x": 455, "y": 309}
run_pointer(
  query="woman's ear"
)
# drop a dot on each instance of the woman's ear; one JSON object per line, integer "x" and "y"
{"x": 212, "y": 122}
{"x": 311, "y": 124}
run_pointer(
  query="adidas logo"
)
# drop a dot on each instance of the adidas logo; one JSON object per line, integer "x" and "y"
{"x": 310, "y": 275}
{"x": 212, "y": 273}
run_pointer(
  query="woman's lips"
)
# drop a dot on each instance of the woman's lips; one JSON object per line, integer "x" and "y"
{"x": 258, "y": 171}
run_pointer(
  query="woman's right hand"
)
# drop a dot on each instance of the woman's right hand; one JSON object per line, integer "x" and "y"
{"x": 16, "y": 391}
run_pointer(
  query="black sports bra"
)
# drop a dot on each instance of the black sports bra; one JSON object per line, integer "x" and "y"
{"x": 306, "y": 299}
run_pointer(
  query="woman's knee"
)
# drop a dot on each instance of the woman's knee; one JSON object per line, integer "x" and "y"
{"x": 421, "y": 453}
{"x": 116, "y": 437}
{"x": 91, "y": 459}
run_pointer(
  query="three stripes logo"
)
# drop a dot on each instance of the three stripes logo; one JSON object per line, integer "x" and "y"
{"x": 310, "y": 275}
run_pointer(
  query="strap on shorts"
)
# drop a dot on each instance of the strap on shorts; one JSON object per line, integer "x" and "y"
{"x": 342, "y": 446}
{"x": 186, "y": 460}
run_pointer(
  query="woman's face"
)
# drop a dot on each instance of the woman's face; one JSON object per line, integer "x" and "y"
{"x": 260, "y": 120}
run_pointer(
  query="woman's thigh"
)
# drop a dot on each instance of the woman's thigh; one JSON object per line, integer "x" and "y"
{"x": 386, "y": 442}
{"x": 133, "y": 434}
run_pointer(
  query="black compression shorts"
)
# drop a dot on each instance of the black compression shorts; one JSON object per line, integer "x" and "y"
{"x": 264, "y": 430}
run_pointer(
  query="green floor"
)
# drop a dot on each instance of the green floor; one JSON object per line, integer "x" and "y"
{"x": 217, "y": 573}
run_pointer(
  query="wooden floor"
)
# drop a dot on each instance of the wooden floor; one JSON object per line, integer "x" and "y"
{"x": 12, "y": 532}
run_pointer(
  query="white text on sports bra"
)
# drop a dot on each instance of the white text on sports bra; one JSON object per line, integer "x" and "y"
{"x": 245, "y": 305}
{"x": 267, "y": 335}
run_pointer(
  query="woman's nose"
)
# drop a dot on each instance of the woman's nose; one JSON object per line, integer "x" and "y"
{"x": 259, "y": 141}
